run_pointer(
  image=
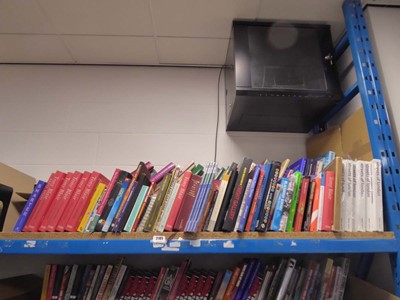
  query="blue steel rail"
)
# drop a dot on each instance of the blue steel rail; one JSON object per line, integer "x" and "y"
{"x": 285, "y": 244}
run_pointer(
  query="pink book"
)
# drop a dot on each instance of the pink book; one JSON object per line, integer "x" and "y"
{"x": 44, "y": 201}
{"x": 83, "y": 202}
{"x": 62, "y": 223}
{"x": 64, "y": 201}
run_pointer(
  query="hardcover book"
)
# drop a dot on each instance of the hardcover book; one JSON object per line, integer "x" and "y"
{"x": 293, "y": 205}
{"x": 238, "y": 192}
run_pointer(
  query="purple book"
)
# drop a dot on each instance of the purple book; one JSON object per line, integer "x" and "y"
{"x": 29, "y": 206}
{"x": 160, "y": 175}
{"x": 299, "y": 165}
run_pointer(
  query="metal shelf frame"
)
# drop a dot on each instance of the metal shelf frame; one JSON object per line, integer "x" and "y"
{"x": 383, "y": 147}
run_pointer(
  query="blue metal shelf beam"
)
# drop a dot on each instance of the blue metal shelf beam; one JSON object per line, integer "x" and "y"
{"x": 200, "y": 246}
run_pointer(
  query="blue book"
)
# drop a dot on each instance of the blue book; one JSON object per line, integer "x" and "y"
{"x": 329, "y": 157}
{"x": 198, "y": 199}
{"x": 202, "y": 204}
{"x": 267, "y": 168}
{"x": 245, "y": 279}
{"x": 247, "y": 204}
{"x": 26, "y": 212}
{"x": 115, "y": 206}
{"x": 299, "y": 165}
{"x": 276, "y": 219}
{"x": 252, "y": 277}
{"x": 136, "y": 207}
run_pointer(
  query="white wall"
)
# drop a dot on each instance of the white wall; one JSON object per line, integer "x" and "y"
{"x": 103, "y": 117}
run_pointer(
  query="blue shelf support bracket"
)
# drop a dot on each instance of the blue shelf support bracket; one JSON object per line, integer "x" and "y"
{"x": 378, "y": 123}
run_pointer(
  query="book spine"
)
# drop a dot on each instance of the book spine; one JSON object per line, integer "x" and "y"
{"x": 44, "y": 203}
{"x": 298, "y": 222}
{"x": 276, "y": 218}
{"x": 143, "y": 207}
{"x": 56, "y": 204}
{"x": 52, "y": 278}
{"x": 265, "y": 212}
{"x": 103, "y": 284}
{"x": 147, "y": 211}
{"x": 64, "y": 281}
{"x": 261, "y": 199}
{"x": 218, "y": 201}
{"x": 229, "y": 289}
{"x": 45, "y": 284}
{"x": 377, "y": 194}
{"x": 234, "y": 206}
{"x": 187, "y": 203}
{"x": 62, "y": 223}
{"x": 359, "y": 201}
{"x": 87, "y": 193}
{"x": 71, "y": 282}
{"x": 178, "y": 200}
{"x": 103, "y": 202}
{"x": 329, "y": 199}
{"x": 115, "y": 205}
{"x": 293, "y": 205}
{"x": 321, "y": 201}
{"x": 212, "y": 197}
{"x": 164, "y": 171}
{"x": 288, "y": 198}
{"x": 224, "y": 285}
{"x": 255, "y": 201}
{"x": 286, "y": 278}
{"x": 315, "y": 207}
{"x": 26, "y": 212}
{"x": 133, "y": 215}
{"x": 344, "y": 214}
{"x": 309, "y": 205}
{"x": 370, "y": 211}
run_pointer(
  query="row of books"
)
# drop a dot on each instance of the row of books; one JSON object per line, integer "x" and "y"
{"x": 283, "y": 278}
{"x": 303, "y": 196}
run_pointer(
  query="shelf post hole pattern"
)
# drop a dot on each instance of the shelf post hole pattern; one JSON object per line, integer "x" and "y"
{"x": 380, "y": 133}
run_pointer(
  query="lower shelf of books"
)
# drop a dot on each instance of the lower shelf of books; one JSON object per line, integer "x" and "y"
{"x": 199, "y": 243}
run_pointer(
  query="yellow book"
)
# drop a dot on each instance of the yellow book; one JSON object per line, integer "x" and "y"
{"x": 98, "y": 192}
{"x": 46, "y": 277}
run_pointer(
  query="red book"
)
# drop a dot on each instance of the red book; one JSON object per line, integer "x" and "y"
{"x": 63, "y": 202}
{"x": 62, "y": 223}
{"x": 187, "y": 203}
{"x": 232, "y": 282}
{"x": 150, "y": 286}
{"x": 55, "y": 203}
{"x": 103, "y": 202}
{"x": 255, "y": 200}
{"x": 178, "y": 201}
{"x": 83, "y": 202}
{"x": 205, "y": 293}
{"x": 52, "y": 279}
{"x": 298, "y": 221}
{"x": 159, "y": 282}
{"x": 44, "y": 201}
{"x": 191, "y": 286}
{"x": 329, "y": 199}
{"x": 177, "y": 282}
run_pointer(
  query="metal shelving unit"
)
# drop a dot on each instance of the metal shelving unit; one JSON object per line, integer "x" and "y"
{"x": 383, "y": 147}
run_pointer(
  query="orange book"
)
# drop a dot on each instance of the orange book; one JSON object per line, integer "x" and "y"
{"x": 231, "y": 285}
{"x": 314, "y": 213}
{"x": 72, "y": 202}
{"x": 87, "y": 193}
{"x": 44, "y": 202}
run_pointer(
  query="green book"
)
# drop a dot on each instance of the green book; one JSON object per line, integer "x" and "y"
{"x": 293, "y": 205}
{"x": 135, "y": 210}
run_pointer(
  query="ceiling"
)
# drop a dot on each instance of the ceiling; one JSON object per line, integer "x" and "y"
{"x": 140, "y": 32}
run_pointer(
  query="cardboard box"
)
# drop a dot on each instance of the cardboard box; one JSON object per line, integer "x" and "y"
{"x": 21, "y": 183}
{"x": 359, "y": 289}
{"x": 349, "y": 140}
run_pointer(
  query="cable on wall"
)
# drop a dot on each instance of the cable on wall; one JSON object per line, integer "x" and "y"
{"x": 217, "y": 125}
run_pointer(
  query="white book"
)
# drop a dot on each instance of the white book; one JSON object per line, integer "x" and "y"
{"x": 352, "y": 194}
{"x": 369, "y": 208}
{"x": 359, "y": 200}
{"x": 71, "y": 280}
{"x": 286, "y": 278}
{"x": 117, "y": 282}
{"x": 218, "y": 201}
{"x": 377, "y": 193}
{"x": 343, "y": 210}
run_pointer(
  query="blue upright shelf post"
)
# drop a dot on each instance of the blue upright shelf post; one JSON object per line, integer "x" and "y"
{"x": 380, "y": 133}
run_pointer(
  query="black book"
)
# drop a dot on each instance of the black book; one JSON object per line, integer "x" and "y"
{"x": 309, "y": 204}
{"x": 83, "y": 282}
{"x": 111, "y": 199}
{"x": 227, "y": 197}
{"x": 265, "y": 212}
{"x": 144, "y": 179}
{"x": 98, "y": 282}
{"x": 77, "y": 282}
{"x": 237, "y": 196}
{"x": 277, "y": 280}
{"x": 57, "y": 281}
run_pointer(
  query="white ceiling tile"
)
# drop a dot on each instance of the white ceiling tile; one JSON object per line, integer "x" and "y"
{"x": 246, "y": 9}
{"x": 193, "y": 18}
{"x": 33, "y": 49}
{"x": 112, "y": 49}
{"x": 329, "y": 12}
{"x": 103, "y": 17}
{"x": 192, "y": 51}
{"x": 21, "y": 16}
